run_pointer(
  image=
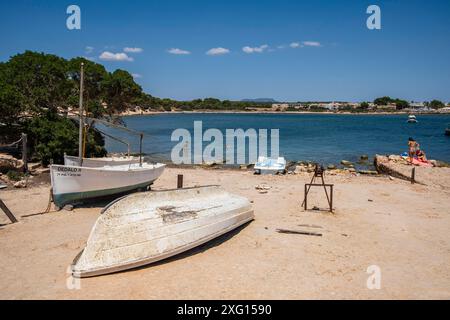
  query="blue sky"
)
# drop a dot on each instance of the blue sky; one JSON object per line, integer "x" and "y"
{"x": 296, "y": 50}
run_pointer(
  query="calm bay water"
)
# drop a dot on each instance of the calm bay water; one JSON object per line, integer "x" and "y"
{"x": 311, "y": 137}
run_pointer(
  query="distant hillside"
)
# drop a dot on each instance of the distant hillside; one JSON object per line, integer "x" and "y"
{"x": 260, "y": 100}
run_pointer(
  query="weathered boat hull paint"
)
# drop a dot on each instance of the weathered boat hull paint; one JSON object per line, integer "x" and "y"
{"x": 144, "y": 228}
{"x": 62, "y": 199}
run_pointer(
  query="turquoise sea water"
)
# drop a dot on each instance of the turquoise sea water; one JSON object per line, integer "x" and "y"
{"x": 321, "y": 138}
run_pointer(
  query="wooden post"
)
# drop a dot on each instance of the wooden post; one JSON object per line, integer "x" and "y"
{"x": 81, "y": 125}
{"x": 413, "y": 176}
{"x": 140, "y": 149}
{"x": 331, "y": 198}
{"x": 24, "y": 153}
{"x": 305, "y": 202}
{"x": 180, "y": 182}
{"x": 7, "y": 212}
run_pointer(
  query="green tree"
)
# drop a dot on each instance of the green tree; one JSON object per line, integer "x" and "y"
{"x": 50, "y": 136}
{"x": 364, "y": 105}
{"x": 436, "y": 104}
{"x": 39, "y": 79}
{"x": 11, "y": 100}
{"x": 94, "y": 76}
{"x": 401, "y": 104}
{"x": 383, "y": 101}
{"x": 120, "y": 91}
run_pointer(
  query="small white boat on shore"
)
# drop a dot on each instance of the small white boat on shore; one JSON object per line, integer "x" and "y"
{"x": 100, "y": 162}
{"x": 270, "y": 166}
{"x": 144, "y": 228}
{"x": 412, "y": 119}
{"x": 73, "y": 183}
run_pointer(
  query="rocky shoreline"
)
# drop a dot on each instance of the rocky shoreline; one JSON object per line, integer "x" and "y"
{"x": 151, "y": 112}
{"x": 11, "y": 169}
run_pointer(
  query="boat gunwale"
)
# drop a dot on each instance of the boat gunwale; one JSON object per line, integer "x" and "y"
{"x": 150, "y": 260}
{"x": 106, "y": 159}
{"x": 120, "y": 168}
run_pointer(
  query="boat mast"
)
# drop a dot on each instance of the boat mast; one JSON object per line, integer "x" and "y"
{"x": 81, "y": 127}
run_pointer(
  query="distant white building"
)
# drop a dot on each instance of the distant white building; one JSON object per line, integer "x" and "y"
{"x": 417, "y": 105}
{"x": 331, "y": 106}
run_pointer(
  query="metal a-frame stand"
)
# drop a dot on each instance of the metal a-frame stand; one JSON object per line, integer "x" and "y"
{"x": 318, "y": 173}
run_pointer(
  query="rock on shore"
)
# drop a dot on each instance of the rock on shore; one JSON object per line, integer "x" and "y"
{"x": 8, "y": 163}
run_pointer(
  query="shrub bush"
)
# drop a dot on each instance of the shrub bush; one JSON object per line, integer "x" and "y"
{"x": 50, "y": 136}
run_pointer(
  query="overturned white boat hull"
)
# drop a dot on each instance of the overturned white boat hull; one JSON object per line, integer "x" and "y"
{"x": 73, "y": 183}
{"x": 147, "y": 227}
{"x": 100, "y": 162}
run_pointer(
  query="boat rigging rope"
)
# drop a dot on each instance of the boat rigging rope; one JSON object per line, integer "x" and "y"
{"x": 11, "y": 144}
{"x": 47, "y": 210}
{"x": 49, "y": 204}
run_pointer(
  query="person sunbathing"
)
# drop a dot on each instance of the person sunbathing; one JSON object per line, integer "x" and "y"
{"x": 421, "y": 156}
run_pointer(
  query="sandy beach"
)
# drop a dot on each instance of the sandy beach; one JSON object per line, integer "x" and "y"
{"x": 391, "y": 223}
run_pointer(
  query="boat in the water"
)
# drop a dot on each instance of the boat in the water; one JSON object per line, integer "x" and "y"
{"x": 100, "y": 162}
{"x": 447, "y": 131}
{"x": 147, "y": 227}
{"x": 270, "y": 166}
{"x": 73, "y": 183}
{"x": 412, "y": 119}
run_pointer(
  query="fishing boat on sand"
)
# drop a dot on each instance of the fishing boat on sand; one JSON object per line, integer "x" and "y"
{"x": 144, "y": 228}
{"x": 270, "y": 166}
{"x": 77, "y": 181}
{"x": 72, "y": 184}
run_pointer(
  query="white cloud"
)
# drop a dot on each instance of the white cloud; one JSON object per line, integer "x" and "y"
{"x": 89, "y": 50}
{"x": 217, "y": 51}
{"x": 295, "y": 45}
{"x": 178, "y": 51}
{"x": 133, "y": 50}
{"x": 109, "y": 56}
{"x": 260, "y": 49}
{"x": 311, "y": 44}
{"x": 136, "y": 75}
{"x": 281, "y": 47}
